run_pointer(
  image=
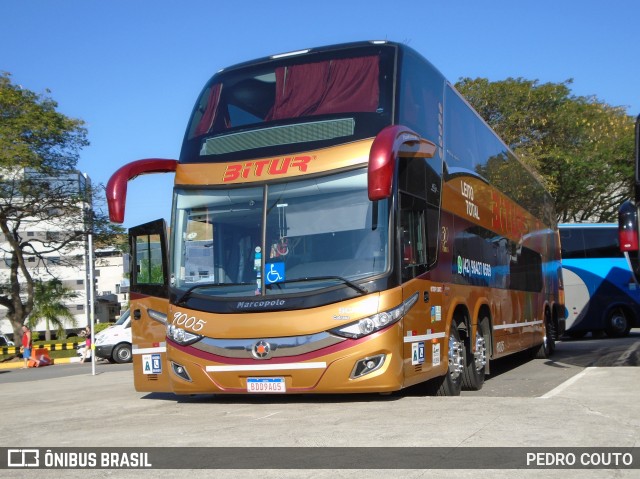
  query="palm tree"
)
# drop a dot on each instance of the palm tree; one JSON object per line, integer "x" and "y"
{"x": 49, "y": 299}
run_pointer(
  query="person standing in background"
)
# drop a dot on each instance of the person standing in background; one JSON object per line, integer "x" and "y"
{"x": 87, "y": 335}
{"x": 26, "y": 345}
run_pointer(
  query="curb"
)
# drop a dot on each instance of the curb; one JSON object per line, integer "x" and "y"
{"x": 20, "y": 364}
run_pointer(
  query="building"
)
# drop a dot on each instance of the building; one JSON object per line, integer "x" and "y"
{"x": 112, "y": 288}
{"x": 70, "y": 264}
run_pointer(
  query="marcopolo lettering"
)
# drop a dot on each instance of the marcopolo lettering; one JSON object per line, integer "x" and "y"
{"x": 260, "y": 304}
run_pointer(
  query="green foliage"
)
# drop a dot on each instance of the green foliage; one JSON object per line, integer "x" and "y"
{"x": 150, "y": 272}
{"x": 582, "y": 147}
{"x": 50, "y": 304}
{"x": 101, "y": 327}
{"x": 39, "y": 151}
{"x": 74, "y": 340}
{"x": 33, "y": 134}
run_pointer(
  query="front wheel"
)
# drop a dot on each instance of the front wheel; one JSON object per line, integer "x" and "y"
{"x": 122, "y": 353}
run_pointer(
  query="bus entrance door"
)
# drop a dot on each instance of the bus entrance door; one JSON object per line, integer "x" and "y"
{"x": 149, "y": 306}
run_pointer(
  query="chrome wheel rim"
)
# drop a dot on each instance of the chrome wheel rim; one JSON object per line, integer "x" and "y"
{"x": 480, "y": 354}
{"x": 456, "y": 358}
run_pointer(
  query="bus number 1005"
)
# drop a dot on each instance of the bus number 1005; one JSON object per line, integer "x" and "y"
{"x": 181, "y": 319}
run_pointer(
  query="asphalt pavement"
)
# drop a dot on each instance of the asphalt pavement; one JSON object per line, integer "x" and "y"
{"x": 594, "y": 408}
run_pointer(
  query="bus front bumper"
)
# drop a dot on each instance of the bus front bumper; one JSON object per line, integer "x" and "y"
{"x": 371, "y": 364}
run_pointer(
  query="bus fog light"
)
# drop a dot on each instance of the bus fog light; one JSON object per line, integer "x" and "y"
{"x": 367, "y": 365}
{"x": 180, "y": 371}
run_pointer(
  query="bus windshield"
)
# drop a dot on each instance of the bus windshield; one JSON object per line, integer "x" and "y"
{"x": 318, "y": 233}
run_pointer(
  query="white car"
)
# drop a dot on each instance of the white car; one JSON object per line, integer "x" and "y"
{"x": 4, "y": 341}
{"x": 114, "y": 343}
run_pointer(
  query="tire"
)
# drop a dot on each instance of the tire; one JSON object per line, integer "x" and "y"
{"x": 122, "y": 353}
{"x": 548, "y": 346}
{"x": 617, "y": 324}
{"x": 451, "y": 383}
{"x": 476, "y": 359}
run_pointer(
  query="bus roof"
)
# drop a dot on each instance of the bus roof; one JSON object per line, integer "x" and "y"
{"x": 303, "y": 51}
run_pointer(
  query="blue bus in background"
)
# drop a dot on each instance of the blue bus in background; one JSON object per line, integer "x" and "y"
{"x": 601, "y": 294}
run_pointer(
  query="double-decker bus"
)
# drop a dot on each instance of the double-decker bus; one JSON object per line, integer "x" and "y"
{"x": 343, "y": 221}
{"x": 601, "y": 294}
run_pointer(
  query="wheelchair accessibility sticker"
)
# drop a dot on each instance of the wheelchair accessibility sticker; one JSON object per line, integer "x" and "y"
{"x": 274, "y": 273}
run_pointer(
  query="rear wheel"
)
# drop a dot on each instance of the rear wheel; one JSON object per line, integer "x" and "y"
{"x": 548, "y": 346}
{"x": 617, "y": 324}
{"x": 476, "y": 359}
{"x": 451, "y": 383}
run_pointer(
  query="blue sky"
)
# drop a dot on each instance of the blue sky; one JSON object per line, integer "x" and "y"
{"x": 131, "y": 69}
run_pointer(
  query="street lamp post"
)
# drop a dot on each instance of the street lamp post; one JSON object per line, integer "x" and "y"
{"x": 91, "y": 280}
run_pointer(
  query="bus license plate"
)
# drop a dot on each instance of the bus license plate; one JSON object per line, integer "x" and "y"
{"x": 266, "y": 385}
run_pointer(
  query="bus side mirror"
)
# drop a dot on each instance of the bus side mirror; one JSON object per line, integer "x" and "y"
{"x": 628, "y": 226}
{"x": 628, "y": 236}
{"x": 116, "y": 190}
{"x": 393, "y": 141}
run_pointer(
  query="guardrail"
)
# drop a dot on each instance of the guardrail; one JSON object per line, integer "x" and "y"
{"x": 49, "y": 347}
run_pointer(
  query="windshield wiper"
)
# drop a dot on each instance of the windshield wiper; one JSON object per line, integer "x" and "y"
{"x": 351, "y": 284}
{"x": 188, "y": 292}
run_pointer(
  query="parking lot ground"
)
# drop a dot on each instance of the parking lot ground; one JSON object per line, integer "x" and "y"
{"x": 593, "y": 408}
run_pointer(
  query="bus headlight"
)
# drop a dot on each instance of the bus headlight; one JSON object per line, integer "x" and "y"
{"x": 371, "y": 324}
{"x": 182, "y": 336}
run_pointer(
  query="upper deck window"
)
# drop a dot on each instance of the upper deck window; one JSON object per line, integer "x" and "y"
{"x": 341, "y": 95}
{"x": 333, "y": 86}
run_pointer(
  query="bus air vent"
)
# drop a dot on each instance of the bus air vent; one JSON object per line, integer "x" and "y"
{"x": 278, "y": 135}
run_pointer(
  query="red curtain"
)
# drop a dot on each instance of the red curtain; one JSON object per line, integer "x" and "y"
{"x": 336, "y": 86}
{"x": 209, "y": 115}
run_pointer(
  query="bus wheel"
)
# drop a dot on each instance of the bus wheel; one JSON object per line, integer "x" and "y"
{"x": 548, "y": 345}
{"x": 451, "y": 383}
{"x": 617, "y": 324}
{"x": 476, "y": 359}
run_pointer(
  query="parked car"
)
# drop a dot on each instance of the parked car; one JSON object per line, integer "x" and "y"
{"x": 114, "y": 343}
{"x": 5, "y": 342}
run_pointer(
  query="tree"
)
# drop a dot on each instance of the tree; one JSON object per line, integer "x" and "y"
{"x": 40, "y": 189}
{"x": 49, "y": 304}
{"x": 581, "y": 147}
